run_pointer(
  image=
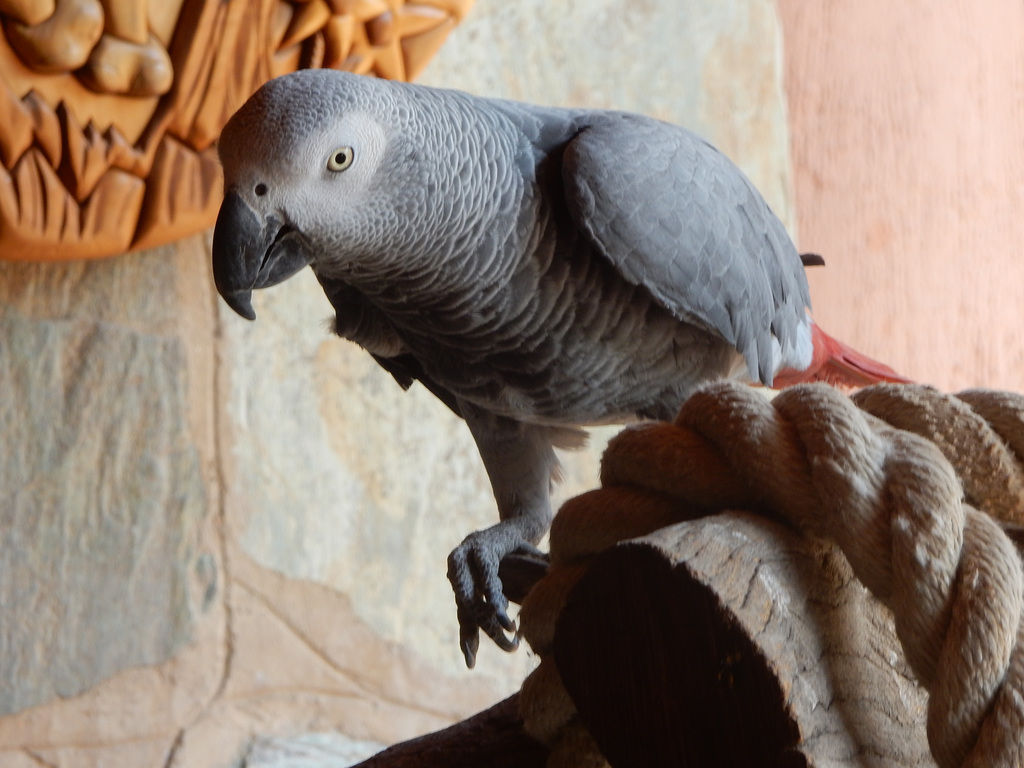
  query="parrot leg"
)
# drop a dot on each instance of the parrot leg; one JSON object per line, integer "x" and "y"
{"x": 519, "y": 460}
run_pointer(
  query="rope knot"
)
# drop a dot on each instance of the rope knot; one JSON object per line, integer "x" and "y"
{"x": 910, "y": 483}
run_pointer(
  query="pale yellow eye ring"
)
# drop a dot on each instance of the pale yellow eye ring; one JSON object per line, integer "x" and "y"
{"x": 340, "y": 159}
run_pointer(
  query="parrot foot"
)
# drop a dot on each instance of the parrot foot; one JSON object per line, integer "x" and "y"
{"x": 479, "y": 595}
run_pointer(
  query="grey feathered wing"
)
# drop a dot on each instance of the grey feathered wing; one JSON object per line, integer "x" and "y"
{"x": 676, "y": 216}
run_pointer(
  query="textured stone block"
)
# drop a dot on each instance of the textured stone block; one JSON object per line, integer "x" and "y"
{"x": 100, "y": 499}
{"x": 310, "y": 750}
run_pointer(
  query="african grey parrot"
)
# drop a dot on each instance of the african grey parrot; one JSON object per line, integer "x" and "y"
{"x": 537, "y": 269}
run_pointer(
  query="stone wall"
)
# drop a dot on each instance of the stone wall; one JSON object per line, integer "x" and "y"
{"x": 219, "y": 534}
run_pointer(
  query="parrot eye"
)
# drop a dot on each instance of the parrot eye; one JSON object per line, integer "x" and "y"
{"x": 340, "y": 159}
{"x": 261, "y": 189}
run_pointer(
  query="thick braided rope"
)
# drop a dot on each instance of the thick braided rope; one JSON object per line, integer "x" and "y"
{"x": 895, "y": 505}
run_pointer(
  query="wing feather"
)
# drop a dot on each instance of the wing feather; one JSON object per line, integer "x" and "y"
{"x": 676, "y": 216}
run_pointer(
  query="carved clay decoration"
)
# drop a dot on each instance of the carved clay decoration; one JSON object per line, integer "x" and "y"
{"x": 109, "y": 108}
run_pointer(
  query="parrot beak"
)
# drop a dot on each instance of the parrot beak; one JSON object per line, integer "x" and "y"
{"x": 252, "y": 252}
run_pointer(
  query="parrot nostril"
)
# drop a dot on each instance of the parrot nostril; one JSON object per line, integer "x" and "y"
{"x": 261, "y": 189}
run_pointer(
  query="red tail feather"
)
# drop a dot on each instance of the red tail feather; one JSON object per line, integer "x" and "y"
{"x": 836, "y": 363}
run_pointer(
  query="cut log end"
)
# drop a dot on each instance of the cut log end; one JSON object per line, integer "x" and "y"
{"x": 663, "y": 675}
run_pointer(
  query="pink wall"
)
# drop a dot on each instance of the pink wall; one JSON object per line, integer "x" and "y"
{"x": 907, "y": 131}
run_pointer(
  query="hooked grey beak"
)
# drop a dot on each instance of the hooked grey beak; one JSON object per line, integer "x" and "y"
{"x": 252, "y": 252}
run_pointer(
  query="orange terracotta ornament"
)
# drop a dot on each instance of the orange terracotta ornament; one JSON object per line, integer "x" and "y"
{"x": 109, "y": 108}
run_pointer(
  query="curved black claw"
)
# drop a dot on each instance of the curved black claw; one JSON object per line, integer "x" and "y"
{"x": 479, "y": 598}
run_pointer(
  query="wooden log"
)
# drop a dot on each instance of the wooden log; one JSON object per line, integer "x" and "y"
{"x": 492, "y": 738}
{"x": 519, "y": 572}
{"x": 733, "y": 641}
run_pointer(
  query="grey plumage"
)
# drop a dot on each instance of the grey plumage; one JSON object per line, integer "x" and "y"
{"x": 537, "y": 268}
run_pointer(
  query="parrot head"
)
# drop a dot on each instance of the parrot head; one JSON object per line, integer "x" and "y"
{"x": 301, "y": 163}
